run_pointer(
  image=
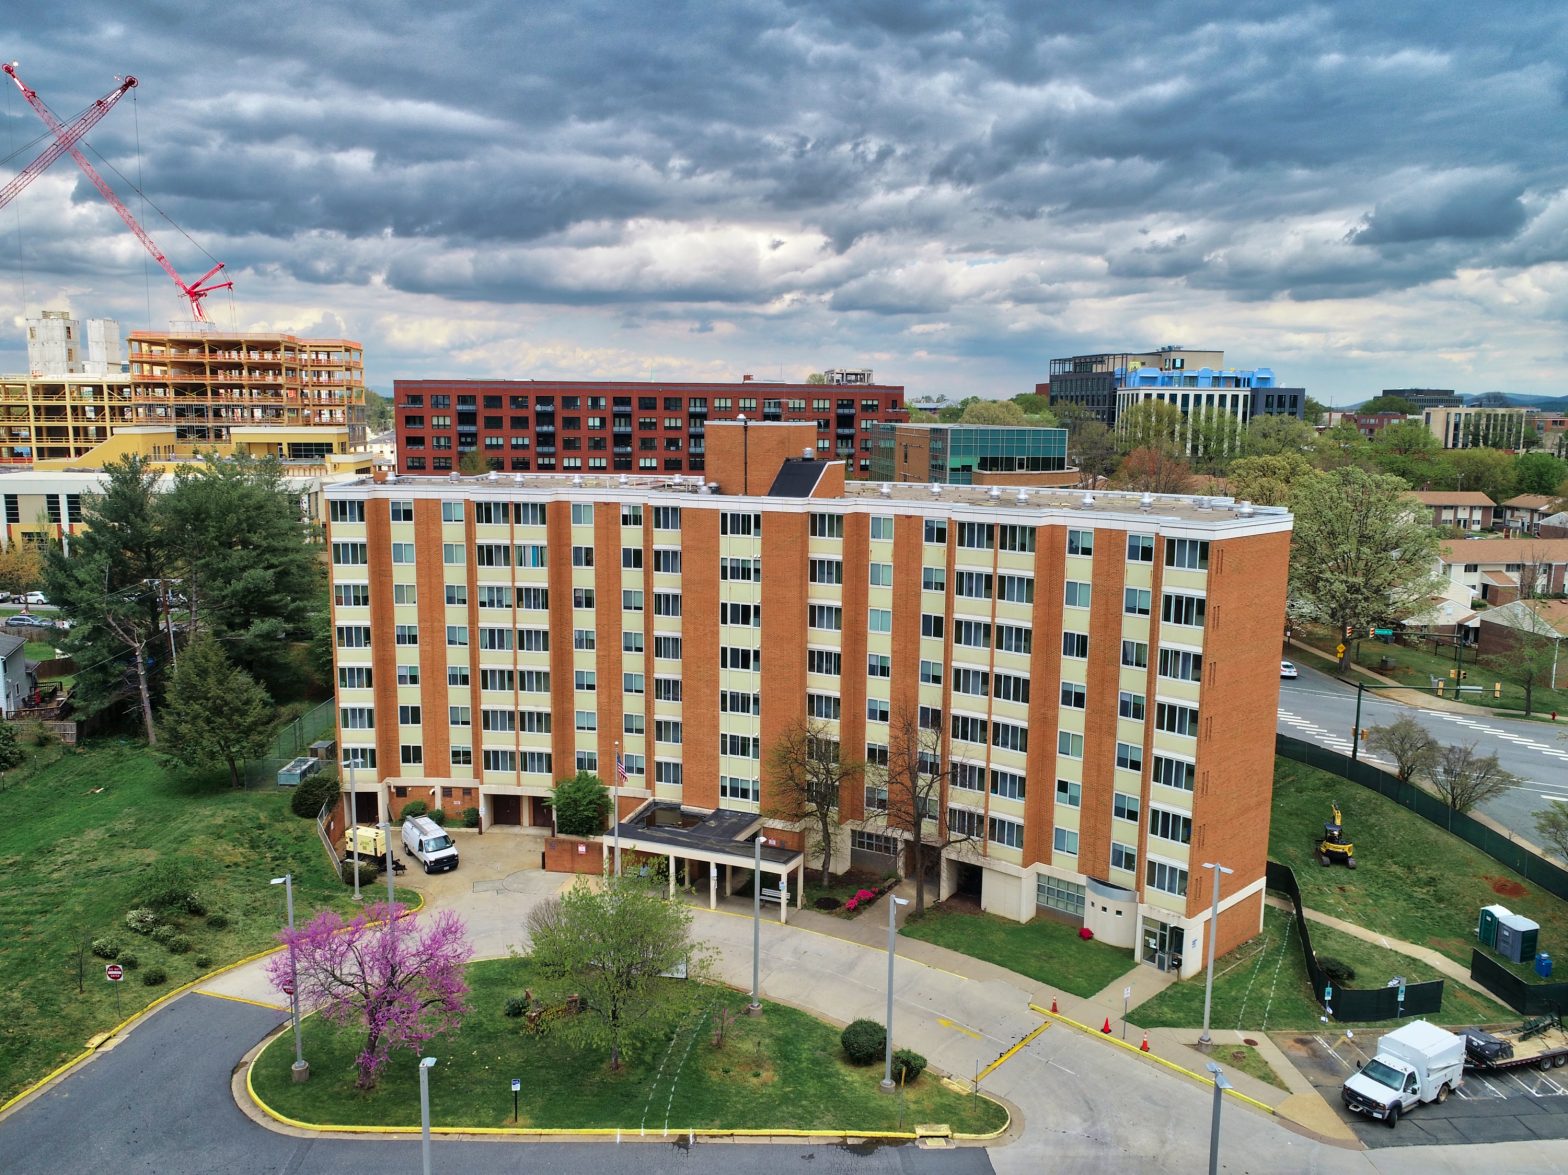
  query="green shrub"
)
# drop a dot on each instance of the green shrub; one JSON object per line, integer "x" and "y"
{"x": 203, "y": 961}
{"x": 128, "y": 960}
{"x": 163, "y": 934}
{"x": 153, "y": 976}
{"x": 141, "y": 920}
{"x": 470, "y": 817}
{"x": 218, "y": 921}
{"x": 515, "y": 1006}
{"x": 1339, "y": 972}
{"x": 106, "y": 948}
{"x": 312, "y": 793}
{"x": 11, "y": 753}
{"x": 907, "y": 1066}
{"x": 179, "y": 944}
{"x": 864, "y": 1041}
{"x": 827, "y": 902}
{"x": 438, "y": 816}
{"x": 415, "y": 808}
{"x": 168, "y": 886}
{"x": 366, "y": 873}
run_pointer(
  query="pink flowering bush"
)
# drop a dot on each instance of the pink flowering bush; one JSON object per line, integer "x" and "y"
{"x": 400, "y": 981}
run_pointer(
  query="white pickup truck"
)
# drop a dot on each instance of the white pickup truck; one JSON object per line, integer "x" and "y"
{"x": 1417, "y": 1063}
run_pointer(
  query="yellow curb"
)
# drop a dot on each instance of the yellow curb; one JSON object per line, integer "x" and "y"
{"x": 846, "y": 941}
{"x": 1156, "y": 1058}
{"x": 1001, "y": 1060}
{"x": 98, "y": 1040}
{"x": 239, "y": 999}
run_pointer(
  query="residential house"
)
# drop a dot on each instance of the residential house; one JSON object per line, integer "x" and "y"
{"x": 1467, "y": 510}
{"x": 1525, "y": 511}
{"x": 1493, "y": 569}
{"x": 1501, "y": 630}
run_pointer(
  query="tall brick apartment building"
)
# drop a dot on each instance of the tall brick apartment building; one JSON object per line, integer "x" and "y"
{"x": 1099, "y": 672}
{"x": 548, "y": 426}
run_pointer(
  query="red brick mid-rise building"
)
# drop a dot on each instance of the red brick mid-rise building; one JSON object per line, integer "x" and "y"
{"x": 593, "y": 426}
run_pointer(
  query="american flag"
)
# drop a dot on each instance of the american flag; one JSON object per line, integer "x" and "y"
{"x": 620, "y": 771}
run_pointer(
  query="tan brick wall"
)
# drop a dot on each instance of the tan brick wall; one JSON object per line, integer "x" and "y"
{"x": 700, "y": 656}
{"x": 783, "y": 685}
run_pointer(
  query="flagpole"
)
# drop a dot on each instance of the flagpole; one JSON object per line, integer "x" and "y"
{"x": 615, "y": 808}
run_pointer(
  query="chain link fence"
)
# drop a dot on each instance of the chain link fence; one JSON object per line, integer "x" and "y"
{"x": 291, "y": 741}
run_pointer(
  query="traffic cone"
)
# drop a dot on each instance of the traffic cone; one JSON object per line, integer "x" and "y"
{"x": 1053, "y": 1005}
{"x": 1107, "y": 1028}
{"x": 1144, "y": 1047}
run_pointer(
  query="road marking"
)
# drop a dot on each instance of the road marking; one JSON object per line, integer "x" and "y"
{"x": 239, "y": 999}
{"x": 1330, "y": 1050}
{"x": 1063, "y": 1068}
{"x": 957, "y": 1027}
{"x": 1006, "y": 1055}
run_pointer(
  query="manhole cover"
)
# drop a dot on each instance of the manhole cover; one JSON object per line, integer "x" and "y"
{"x": 1247, "y": 1040}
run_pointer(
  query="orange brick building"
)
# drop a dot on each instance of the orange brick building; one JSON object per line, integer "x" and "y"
{"x": 1098, "y": 673}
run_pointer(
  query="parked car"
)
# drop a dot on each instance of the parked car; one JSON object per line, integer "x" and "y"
{"x": 34, "y": 598}
{"x": 27, "y": 620}
{"x": 1288, "y": 669}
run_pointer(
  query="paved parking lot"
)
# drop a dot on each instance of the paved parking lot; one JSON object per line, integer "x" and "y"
{"x": 1518, "y": 1105}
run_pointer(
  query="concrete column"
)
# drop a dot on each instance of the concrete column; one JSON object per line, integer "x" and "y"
{"x": 800, "y": 890}
{"x": 713, "y": 887}
{"x": 672, "y": 876}
{"x": 783, "y": 897}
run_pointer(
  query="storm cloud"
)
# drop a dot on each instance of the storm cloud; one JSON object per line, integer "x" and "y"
{"x": 706, "y": 188}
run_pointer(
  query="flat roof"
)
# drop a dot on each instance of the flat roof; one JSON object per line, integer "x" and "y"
{"x": 722, "y": 831}
{"x": 1047, "y": 504}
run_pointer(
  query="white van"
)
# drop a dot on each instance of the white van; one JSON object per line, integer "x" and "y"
{"x": 428, "y": 843}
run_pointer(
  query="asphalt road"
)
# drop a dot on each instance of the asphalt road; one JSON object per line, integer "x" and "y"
{"x": 1322, "y": 710}
{"x": 159, "y": 1103}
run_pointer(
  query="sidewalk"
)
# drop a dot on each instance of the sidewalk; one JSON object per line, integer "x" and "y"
{"x": 1450, "y": 969}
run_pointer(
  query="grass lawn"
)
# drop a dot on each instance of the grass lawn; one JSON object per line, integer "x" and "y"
{"x": 1242, "y": 1058}
{"x": 84, "y": 826}
{"x": 1415, "y": 664}
{"x": 1046, "y": 950}
{"x": 782, "y": 1070}
{"x": 1262, "y": 985}
{"x": 1414, "y": 881}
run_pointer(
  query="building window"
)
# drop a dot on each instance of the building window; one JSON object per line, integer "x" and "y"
{"x": 1068, "y": 793}
{"x": 1129, "y": 756}
{"x": 828, "y": 617}
{"x": 1135, "y": 654}
{"x": 1009, "y": 785}
{"x": 1184, "y": 610}
{"x": 936, "y": 531}
{"x": 1191, "y": 554}
{"x": 1130, "y": 705}
{"x": 1180, "y": 665}
{"x": 1174, "y": 718}
{"x": 1080, "y": 542}
{"x": 1055, "y": 894}
{"x": 1125, "y": 807}
{"x": 1064, "y": 840}
{"x": 1173, "y": 826}
{"x": 1140, "y": 548}
{"x": 1075, "y": 644}
{"x": 1002, "y": 831}
{"x": 1124, "y": 857}
{"x": 1069, "y": 745}
{"x": 1137, "y": 601}
{"x": 1077, "y": 594}
{"x": 879, "y": 665}
{"x": 879, "y": 620}
{"x": 1074, "y": 695}
{"x": 1171, "y": 879}
{"x": 1173, "y": 773}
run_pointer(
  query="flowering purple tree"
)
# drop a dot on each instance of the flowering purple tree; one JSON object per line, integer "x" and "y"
{"x": 401, "y": 981}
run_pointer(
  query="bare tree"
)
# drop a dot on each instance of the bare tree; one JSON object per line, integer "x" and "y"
{"x": 917, "y": 778}
{"x": 1551, "y": 825}
{"x": 1408, "y": 743}
{"x": 807, "y": 773}
{"x": 1463, "y": 778}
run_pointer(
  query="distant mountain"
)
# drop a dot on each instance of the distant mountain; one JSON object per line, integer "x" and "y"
{"x": 1514, "y": 400}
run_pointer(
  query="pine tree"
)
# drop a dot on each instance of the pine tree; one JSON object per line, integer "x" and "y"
{"x": 215, "y": 711}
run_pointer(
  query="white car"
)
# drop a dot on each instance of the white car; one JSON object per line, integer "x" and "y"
{"x": 34, "y": 598}
{"x": 1288, "y": 669}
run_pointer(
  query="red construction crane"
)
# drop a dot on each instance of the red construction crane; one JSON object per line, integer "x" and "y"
{"x": 84, "y": 123}
{"x": 65, "y": 141}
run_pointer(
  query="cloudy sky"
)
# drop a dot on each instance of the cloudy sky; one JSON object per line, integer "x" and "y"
{"x": 950, "y": 192}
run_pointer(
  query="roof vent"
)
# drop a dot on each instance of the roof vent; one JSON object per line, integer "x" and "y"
{"x": 518, "y": 478}
{"x": 624, "y": 479}
{"x": 492, "y": 476}
{"x": 887, "y": 489}
{"x": 1245, "y": 510}
{"x": 577, "y": 481}
{"x": 1201, "y": 503}
{"x": 805, "y": 454}
{"x": 994, "y": 493}
{"x": 453, "y": 476}
{"x": 936, "y": 489}
{"x": 1023, "y": 495}
{"x": 1087, "y": 501}
{"x": 1146, "y": 503}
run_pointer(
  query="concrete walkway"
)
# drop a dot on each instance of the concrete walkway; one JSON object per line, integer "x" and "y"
{"x": 1450, "y": 969}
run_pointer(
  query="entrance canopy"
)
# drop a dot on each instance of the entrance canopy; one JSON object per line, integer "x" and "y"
{"x": 721, "y": 839}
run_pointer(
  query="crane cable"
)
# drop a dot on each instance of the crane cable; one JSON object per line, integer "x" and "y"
{"x": 146, "y": 270}
{"x": 21, "y": 256}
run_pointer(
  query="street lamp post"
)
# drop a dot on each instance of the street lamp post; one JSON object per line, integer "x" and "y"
{"x": 892, "y": 939}
{"x": 1220, "y": 1086}
{"x": 425, "y": 1065}
{"x": 755, "y": 1008}
{"x": 351, "y": 818}
{"x": 386, "y": 835}
{"x": 300, "y": 1068}
{"x": 1214, "y": 938}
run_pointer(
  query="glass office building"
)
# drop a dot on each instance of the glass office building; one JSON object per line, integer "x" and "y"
{"x": 952, "y": 454}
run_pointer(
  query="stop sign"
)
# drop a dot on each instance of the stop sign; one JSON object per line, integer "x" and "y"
{"x": 288, "y": 989}
{"x": 114, "y": 973}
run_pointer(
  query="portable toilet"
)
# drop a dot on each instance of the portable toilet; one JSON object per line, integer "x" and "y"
{"x": 1543, "y": 965}
{"x": 1486, "y": 929}
{"x": 1517, "y": 937}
